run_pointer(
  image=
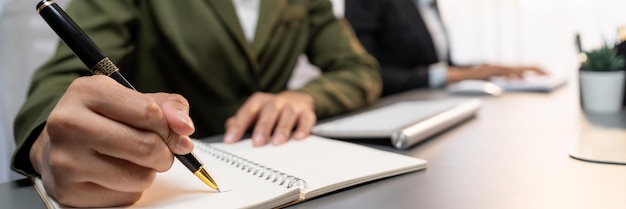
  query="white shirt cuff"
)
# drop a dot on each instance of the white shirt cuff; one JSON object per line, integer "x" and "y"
{"x": 437, "y": 74}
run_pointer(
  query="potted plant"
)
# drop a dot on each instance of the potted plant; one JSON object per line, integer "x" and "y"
{"x": 602, "y": 81}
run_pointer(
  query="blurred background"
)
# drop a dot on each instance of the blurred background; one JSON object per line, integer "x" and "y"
{"x": 540, "y": 32}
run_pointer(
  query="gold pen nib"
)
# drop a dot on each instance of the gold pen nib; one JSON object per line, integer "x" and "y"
{"x": 203, "y": 175}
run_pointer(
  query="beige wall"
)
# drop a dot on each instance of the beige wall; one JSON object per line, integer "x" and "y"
{"x": 529, "y": 31}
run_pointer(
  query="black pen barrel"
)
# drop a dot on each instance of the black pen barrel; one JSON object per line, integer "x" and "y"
{"x": 117, "y": 76}
{"x": 76, "y": 39}
{"x": 85, "y": 49}
{"x": 189, "y": 161}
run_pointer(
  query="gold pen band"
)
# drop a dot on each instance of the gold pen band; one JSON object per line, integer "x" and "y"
{"x": 203, "y": 175}
{"x": 44, "y": 5}
{"x": 104, "y": 67}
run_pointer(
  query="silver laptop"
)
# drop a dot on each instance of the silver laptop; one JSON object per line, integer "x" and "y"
{"x": 405, "y": 123}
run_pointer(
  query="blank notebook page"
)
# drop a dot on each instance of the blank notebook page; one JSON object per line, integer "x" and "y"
{"x": 179, "y": 188}
{"x": 327, "y": 165}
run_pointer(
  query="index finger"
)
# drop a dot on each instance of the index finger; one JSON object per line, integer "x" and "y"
{"x": 239, "y": 123}
{"x": 106, "y": 97}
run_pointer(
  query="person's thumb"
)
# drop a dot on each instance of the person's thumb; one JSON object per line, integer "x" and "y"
{"x": 176, "y": 111}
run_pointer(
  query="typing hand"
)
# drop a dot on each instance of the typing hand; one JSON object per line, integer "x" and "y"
{"x": 279, "y": 112}
{"x": 103, "y": 143}
{"x": 484, "y": 72}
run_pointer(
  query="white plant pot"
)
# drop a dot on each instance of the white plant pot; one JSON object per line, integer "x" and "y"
{"x": 602, "y": 91}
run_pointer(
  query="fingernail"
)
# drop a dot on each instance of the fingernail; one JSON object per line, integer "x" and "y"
{"x": 299, "y": 135}
{"x": 229, "y": 138}
{"x": 278, "y": 138}
{"x": 258, "y": 139}
{"x": 184, "y": 117}
{"x": 180, "y": 144}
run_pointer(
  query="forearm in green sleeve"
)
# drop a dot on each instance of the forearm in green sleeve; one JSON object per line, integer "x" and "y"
{"x": 351, "y": 77}
{"x": 109, "y": 25}
{"x": 32, "y": 117}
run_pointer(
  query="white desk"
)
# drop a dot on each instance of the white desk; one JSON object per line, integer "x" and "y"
{"x": 514, "y": 154}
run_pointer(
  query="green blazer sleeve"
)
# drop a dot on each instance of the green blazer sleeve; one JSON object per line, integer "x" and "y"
{"x": 351, "y": 76}
{"x": 52, "y": 79}
{"x": 197, "y": 49}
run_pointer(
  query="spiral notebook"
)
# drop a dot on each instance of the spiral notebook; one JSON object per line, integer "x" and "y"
{"x": 269, "y": 176}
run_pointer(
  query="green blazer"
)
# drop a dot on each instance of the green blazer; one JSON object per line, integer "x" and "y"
{"x": 197, "y": 49}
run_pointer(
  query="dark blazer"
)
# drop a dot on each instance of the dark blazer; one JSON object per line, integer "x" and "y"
{"x": 394, "y": 32}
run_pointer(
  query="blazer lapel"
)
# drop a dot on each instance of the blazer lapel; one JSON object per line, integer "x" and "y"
{"x": 269, "y": 14}
{"x": 227, "y": 14}
{"x": 409, "y": 11}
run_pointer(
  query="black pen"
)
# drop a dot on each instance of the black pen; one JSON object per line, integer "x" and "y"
{"x": 582, "y": 57}
{"x": 579, "y": 46}
{"x": 99, "y": 64}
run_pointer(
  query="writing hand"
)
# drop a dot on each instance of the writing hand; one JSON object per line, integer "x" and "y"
{"x": 103, "y": 143}
{"x": 278, "y": 112}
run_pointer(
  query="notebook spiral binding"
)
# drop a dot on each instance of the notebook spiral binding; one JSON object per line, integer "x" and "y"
{"x": 253, "y": 168}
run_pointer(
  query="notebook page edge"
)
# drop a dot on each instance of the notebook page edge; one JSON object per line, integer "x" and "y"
{"x": 48, "y": 201}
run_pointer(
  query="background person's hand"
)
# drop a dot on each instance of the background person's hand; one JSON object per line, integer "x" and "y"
{"x": 484, "y": 72}
{"x": 103, "y": 143}
{"x": 274, "y": 116}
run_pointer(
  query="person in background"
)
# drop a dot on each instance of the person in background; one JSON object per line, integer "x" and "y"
{"x": 410, "y": 42}
{"x": 204, "y": 67}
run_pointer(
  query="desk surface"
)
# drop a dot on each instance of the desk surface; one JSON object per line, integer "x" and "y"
{"x": 513, "y": 154}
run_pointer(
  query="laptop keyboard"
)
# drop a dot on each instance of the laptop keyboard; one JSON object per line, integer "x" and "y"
{"x": 382, "y": 122}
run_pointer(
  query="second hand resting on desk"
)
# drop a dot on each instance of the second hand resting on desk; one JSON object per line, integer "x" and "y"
{"x": 99, "y": 64}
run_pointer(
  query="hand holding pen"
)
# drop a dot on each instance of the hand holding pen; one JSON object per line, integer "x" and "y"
{"x": 103, "y": 142}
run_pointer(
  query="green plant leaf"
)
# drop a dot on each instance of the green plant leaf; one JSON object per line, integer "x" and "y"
{"x": 603, "y": 59}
